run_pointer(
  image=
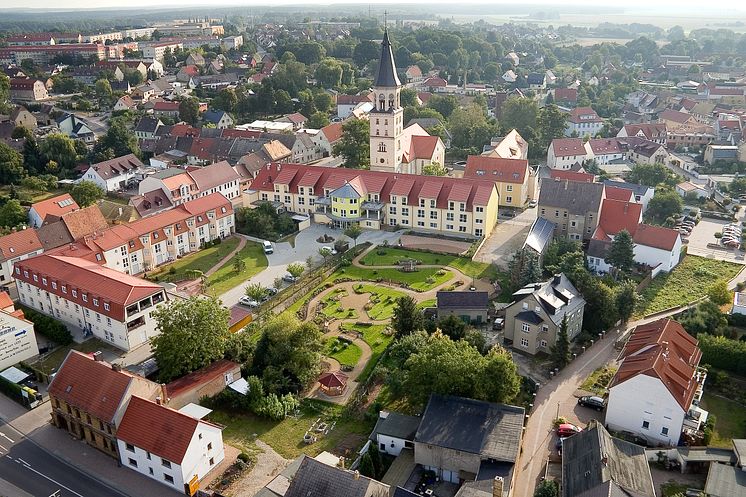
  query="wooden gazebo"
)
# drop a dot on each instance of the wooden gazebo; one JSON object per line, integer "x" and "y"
{"x": 333, "y": 383}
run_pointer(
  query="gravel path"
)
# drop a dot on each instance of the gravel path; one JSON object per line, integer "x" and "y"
{"x": 268, "y": 465}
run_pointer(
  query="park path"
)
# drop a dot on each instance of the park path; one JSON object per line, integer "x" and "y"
{"x": 268, "y": 465}
{"x": 212, "y": 270}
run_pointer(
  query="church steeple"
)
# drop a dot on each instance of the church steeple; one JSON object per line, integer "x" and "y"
{"x": 386, "y": 76}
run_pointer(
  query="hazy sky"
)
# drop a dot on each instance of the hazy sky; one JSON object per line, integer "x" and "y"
{"x": 723, "y": 7}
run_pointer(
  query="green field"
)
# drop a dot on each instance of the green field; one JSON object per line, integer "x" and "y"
{"x": 688, "y": 282}
{"x": 226, "y": 277}
{"x": 427, "y": 303}
{"x": 331, "y": 307}
{"x": 383, "y": 298}
{"x": 730, "y": 422}
{"x": 390, "y": 256}
{"x": 201, "y": 260}
{"x": 418, "y": 280}
{"x": 375, "y": 337}
{"x": 286, "y": 437}
{"x": 348, "y": 354}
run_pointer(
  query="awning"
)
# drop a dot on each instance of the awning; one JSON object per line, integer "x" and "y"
{"x": 240, "y": 385}
{"x": 195, "y": 411}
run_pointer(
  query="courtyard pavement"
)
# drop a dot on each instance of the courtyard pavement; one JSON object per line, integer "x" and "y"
{"x": 507, "y": 237}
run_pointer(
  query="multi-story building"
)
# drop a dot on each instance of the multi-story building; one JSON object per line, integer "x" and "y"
{"x": 51, "y": 209}
{"x": 564, "y": 153}
{"x": 15, "y": 247}
{"x": 157, "y": 49}
{"x": 138, "y": 33}
{"x": 17, "y": 338}
{"x": 114, "y": 174}
{"x": 28, "y": 89}
{"x": 44, "y": 55}
{"x": 184, "y": 185}
{"x": 373, "y": 199}
{"x": 155, "y": 240}
{"x": 232, "y": 42}
{"x": 103, "y": 37}
{"x": 513, "y": 178}
{"x": 583, "y": 121}
{"x": 573, "y": 206}
{"x": 88, "y": 398}
{"x": 533, "y": 320}
{"x": 108, "y": 304}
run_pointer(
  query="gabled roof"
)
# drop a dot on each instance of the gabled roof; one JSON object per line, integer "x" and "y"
{"x": 562, "y": 174}
{"x": 214, "y": 175}
{"x": 386, "y": 75}
{"x": 147, "y": 124}
{"x": 540, "y": 235}
{"x": 200, "y": 377}
{"x": 92, "y": 386}
{"x": 556, "y": 296}
{"x": 497, "y": 169}
{"x": 158, "y": 429}
{"x": 650, "y": 131}
{"x": 675, "y": 116}
{"x": 213, "y": 116}
{"x": 664, "y": 350}
{"x": 396, "y": 425}
{"x": 19, "y": 243}
{"x": 316, "y": 479}
{"x": 462, "y": 300}
{"x": 578, "y": 198}
{"x": 84, "y": 221}
{"x": 118, "y": 166}
{"x": 593, "y": 458}
{"x": 656, "y": 236}
{"x": 565, "y": 147}
{"x": 641, "y": 190}
{"x": 618, "y": 215}
{"x": 55, "y": 206}
{"x": 614, "y": 193}
{"x": 332, "y": 132}
{"x": 583, "y": 115}
{"x": 566, "y": 94}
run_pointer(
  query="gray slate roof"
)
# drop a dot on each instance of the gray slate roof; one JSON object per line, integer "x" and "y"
{"x": 386, "y": 75}
{"x": 403, "y": 492}
{"x": 397, "y": 425}
{"x": 462, "y": 300}
{"x": 637, "y": 189}
{"x": 147, "y": 125}
{"x": 725, "y": 481}
{"x": 583, "y": 468}
{"x": 316, "y": 479}
{"x": 540, "y": 235}
{"x": 578, "y": 198}
{"x": 474, "y": 426}
{"x": 556, "y": 296}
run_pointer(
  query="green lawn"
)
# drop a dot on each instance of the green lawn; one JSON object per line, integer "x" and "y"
{"x": 730, "y": 419}
{"x": 383, "y": 298}
{"x": 391, "y": 255}
{"x": 226, "y": 277}
{"x": 427, "y": 303}
{"x": 348, "y": 354}
{"x": 332, "y": 309}
{"x": 689, "y": 281}
{"x": 54, "y": 359}
{"x": 375, "y": 337}
{"x": 201, "y": 260}
{"x": 420, "y": 280}
{"x": 286, "y": 437}
{"x": 36, "y": 196}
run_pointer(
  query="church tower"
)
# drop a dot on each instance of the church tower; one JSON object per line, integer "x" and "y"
{"x": 387, "y": 118}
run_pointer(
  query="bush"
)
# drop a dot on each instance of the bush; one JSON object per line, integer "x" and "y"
{"x": 243, "y": 456}
{"x": 48, "y": 326}
{"x": 723, "y": 353}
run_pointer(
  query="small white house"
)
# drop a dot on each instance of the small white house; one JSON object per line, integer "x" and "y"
{"x": 168, "y": 446}
{"x": 394, "y": 432}
{"x": 114, "y": 174}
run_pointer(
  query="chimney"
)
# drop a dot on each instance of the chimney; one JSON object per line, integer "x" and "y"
{"x": 164, "y": 393}
{"x": 356, "y": 475}
{"x": 556, "y": 279}
{"x": 605, "y": 460}
{"x": 120, "y": 211}
{"x": 158, "y": 400}
{"x": 98, "y": 356}
{"x": 497, "y": 487}
{"x": 116, "y": 367}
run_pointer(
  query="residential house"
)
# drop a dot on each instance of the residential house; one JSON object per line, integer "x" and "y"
{"x": 413, "y": 74}
{"x": 470, "y": 307}
{"x": 18, "y": 340}
{"x": 314, "y": 477}
{"x": 509, "y": 76}
{"x": 180, "y": 185}
{"x": 165, "y": 108}
{"x": 721, "y": 153}
{"x": 394, "y": 432}
{"x": 110, "y": 305}
{"x": 536, "y": 81}
{"x": 656, "y": 391}
{"x": 204, "y": 382}
{"x": 347, "y": 103}
{"x": 51, "y": 209}
{"x": 510, "y": 146}
{"x": 88, "y": 398}
{"x": 595, "y": 463}
{"x": 642, "y": 193}
{"x": 125, "y": 102}
{"x": 20, "y": 116}
{"x": 427, "y": 123}
{"x": 654, "y": 132}
{"x": 168, "y": 446}
{"x": 150, "y": 203}
{"x": 533, "y": 319}
{"x": 566, "y": 97}
{"x": 583, "y": 121}
{"x": 512, "y": 177}
{"x": 339, "y": 196}
{"x": 467, "y": 440}
{"x": 573, "y": 206}
{"x": 219, "y": 118}
{"x": 513, "y": 58}
{"x": 187, "y": 73}
{"x": 155, "y": 50}
{"x": 28, "y": 89}
{"x": 297, "y": 119}
{"x": 71, "y": 226}
{"x": 328, "y": 137}
{"x": 674, "y": 119}
{"x": 561, "y": 175}
{"x": 75, "y": 128}
{"x": 565, "y": 153}
{"x": 16, "y": 247}
{"x": 115, "y": 174}
{"x": 147, "y": 127}
{"x": 195, "y": 59}
{"x": 688, "y": 188}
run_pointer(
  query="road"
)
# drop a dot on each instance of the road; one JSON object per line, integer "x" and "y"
{"x": 28, "y": 467}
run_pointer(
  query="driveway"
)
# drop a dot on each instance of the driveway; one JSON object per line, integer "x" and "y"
{"x": 704, "y": 233}
{"x": 507, "y": 237}
{"x": 305, "y": 246}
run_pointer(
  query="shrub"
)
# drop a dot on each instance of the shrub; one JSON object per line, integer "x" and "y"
{"x": 723, "y": 353}
{"x": 48, "y": 326}
{"x": 243, "y": 456}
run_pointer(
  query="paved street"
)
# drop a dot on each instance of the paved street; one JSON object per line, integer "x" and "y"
{"x": 28, "y": 467}
{"x": 507, "y": 237}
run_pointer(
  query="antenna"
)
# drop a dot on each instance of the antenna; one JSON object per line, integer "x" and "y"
{"x": 385, "y": 19}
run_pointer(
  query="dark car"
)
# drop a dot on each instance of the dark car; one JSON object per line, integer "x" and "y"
{"x": 593, "y": 401}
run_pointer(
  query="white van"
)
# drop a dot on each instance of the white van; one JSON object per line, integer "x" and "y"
{"x": 267, "y": 246}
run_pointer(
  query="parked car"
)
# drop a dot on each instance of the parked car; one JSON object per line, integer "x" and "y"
{"x": 567, "y": 429}
{"x": 248, "y": 301}
{"x": 267, "y": 246}
{"x": 593, "y": 401}
{"x": 271, "y": 291}
{"x": 289, "y": 278}
{"x": 532, "y": 203}
{"x": 331, "y": 250}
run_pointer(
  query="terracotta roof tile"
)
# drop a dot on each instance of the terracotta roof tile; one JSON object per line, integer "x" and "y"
{"x": 617, "y": 215}
{"x": 85, "y": 221}
{"x": 656, "y": 236}
{"x": 332, "y": 132}
{"x": 333, "y": 379}
{"x": 197, "y": 378}
{"x": 55, "y": 206}
{"x": 614, "y": 193}
{"x": 560, "y": 174}
{"x": 19, "y": 243}
{"x": 565, "y": 147}
{"x": 496, "y": 169}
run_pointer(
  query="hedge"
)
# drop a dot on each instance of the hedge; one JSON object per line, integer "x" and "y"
{"x": 11, "y": 389}
{"x": 48, "y": 326}
{"x": 723, "y": 353}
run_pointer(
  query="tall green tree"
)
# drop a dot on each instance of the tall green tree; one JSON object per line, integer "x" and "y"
{"x": 407, "y": 317}
{"x": 318, "y": 120}
{"x": 719, "y": 294}
{"x": 87, "y": 193}
{"x": 103, "y": 89}
{"x": 550, "y": 124}
{"x": 12, "y": 214}
{"x": 444, "y": 105}
{"x": 189, "y": 110}
{"x": 519, "y": 113}
{"x": 329, "y": 73}
{"x": 353, "y": 231}
{"x": 59, "y": 148}
{"x": 626, "y": 298}
{"x": 256, "y": 291}
{"x": 524, "y": 268}
{"x": 296, "y": 269}
{"x": 354, "y": 146}
{"x": 11, "y": 165}
{"x": 621, "y": 253}
{"x": 546, "y": 488}
{"x": 664, "y": 205}
{"x": 470, "y": 128}
{"x": 453, "y": 326}
{"x": 117, "y": 141}
{"x": 561, "y": 348}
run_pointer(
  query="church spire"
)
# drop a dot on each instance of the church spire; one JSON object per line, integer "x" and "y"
{"x": 386, "y": 76}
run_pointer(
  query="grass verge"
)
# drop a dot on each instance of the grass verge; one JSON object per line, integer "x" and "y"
{"x": 226, "y": 277}
{"x": 730, "y": 422}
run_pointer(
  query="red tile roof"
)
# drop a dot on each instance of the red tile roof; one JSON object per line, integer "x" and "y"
{"x": 675, "y": 116}
{"x": 91, "y": 386}
{"x": 200, "y": 377}
{"x": 117, "y": 166}
{"x": 55, "y": 206}
{"x": 561, "y": 174}
{"x": 583, "y": 115}
{"x": 107, "y": 286}
{"x": 5, "y": 301}
{"x": 656, "y": 236}
{"x": 617, "y": 215}
{"x": 565, "y": 147}
{"x": 332, "y": 132}
{"x": 164, "y": 106}
{"x": 296, "y": 118}
{"x": 614, "y": 193}
{"x": 333, "y": 379}
{"x": 435, "y": 82}
{"x": 84, "y": 221}
{"x": 423, "y": 147}
{"x": 566, "y": 95}
{"x": 664, "y": 350}
{"x": 19, "y": 243}
{"x": 651, "y": 131}
{"x": 497, "y": 169}
{"x": 603, "y": 146}
{"x": 157, "y": 429}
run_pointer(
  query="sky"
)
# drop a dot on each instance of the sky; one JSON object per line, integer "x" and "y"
{"x": 724, "y": 7}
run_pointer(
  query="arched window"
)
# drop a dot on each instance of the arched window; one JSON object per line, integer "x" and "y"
{"x": 391, "y": 100}
{"x": 381, "y": 147}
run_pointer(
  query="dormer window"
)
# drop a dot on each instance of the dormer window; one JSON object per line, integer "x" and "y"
{"x": 106, "y": 306}
{"x": 54, "y": 285}
{"x": 64, "y": 288}
{"x": 36, "y": 278}
{"x": 85, "y": 297}
{"x": 95, "y": 302}
{"x": 75, "y": 293}
{"x": 44, "y": 281}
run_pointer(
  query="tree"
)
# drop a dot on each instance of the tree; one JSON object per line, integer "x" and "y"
{"x": 323, "y": 101}
{"x": 87, "y": 193}
{"x": 325, "y": 252}
{"x": 192, "y": 333}
{"x": 453, "y": 326}
{"x": 103, "y": 89}
{"x": 59, "y": 148}
{"x": 366, "y": 466}
{"x": 318, "y": 120}
{"x": 407, "y": 317}
{"x": 364, "y": 52}
{"x": 665, "y": 204}
{"x": 519, "y": 113}
{"x": 621, "y": 254}
{"x": 375, "y": 457}
{"x": 329, "y": 73}
{"x": 444, "y": 105}
{"x": 546, "y": 488}
{"x": 4, "y": 91}
{"x": 408, "y": 97}
{"x": 499, "y": 377}
{"x": 11, "y": 165}
{"x": 189, "y": 110}
{"x": 256, "y": 291}
{"x": 353, "y": 231}
{"x": 652, "y": 175}
{"x": 524, "y": 268}
{"x": 354, "y": 146}
{"x": 626, "y": 298}
{"x": 550, "y": 124}
{"x": 434, "y": 169}
{"x": 719, "y": 294}
{"x": 238, "y": 264}
{"x": 225, "y": 100}
{"x": 117, "y": 141}
{"x": 12, "y": 214}
{"x": 561, "y": 348}
{"x": 277, "y": 283}
{"x": 296, "y": 269}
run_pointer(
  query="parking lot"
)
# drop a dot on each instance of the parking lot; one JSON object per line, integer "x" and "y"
{"x": 704, "y": 233}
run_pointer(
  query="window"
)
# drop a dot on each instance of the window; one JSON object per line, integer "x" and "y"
{"x": 509, "y": 188}
{"x": 509, "y": 200}
{"x": 168, "y": 478}
{"x": 449, "y": 216}
{"x": 479, "y": 209}
{"x": 524, "y": 342}
{"x": 95, "y": 301}
{"x": 106, "y": 306}
{"x": 433, "y": 214}
{"x": 392, "y": 210}
{"x": 166, "y": 463}
{"x": 543, "y": 343}
{"x": 525, "y": 306}
{"x": 133, "y": 463}
{"x": 646, "y": 425}
{"x": 44, "y": 281}
{"x": 525, "y": 327}
{"x": 75, "y": 293}
{"x": 150, "y": 470}
{"x": 433, "y": 225}
{"x": 54, "y": 285}
{"x": 544, "y": 328}
{"x": 212, "y": 461}
{"x": 130, "y": 447}
{"x": 664, "y": 431}
{"x": 147, "y": 454}
{"x": 462, "y": 218}
{"x": 36, "y": 278}
{"x": 209, "y": 446}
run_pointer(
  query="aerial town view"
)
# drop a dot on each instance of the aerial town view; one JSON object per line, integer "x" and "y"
{"x": 344, "y": 249}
